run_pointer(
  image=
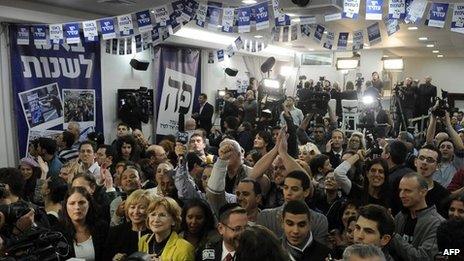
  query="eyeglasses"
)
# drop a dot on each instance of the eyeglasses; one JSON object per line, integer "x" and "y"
{"x": 237, "y": 229}
{"x": 429, "y": 160}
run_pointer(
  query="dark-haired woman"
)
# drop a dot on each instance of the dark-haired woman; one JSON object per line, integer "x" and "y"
{"x": 84, "y": 232}
{"x": 127, "y": 149}
{"x": 263, "y": 142}
{"x": 31, "y": 172}
{"x": 198, "y": 223}
{"x": 375, "y": 189}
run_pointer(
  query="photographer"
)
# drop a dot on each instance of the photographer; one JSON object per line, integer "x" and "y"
{"x": 426, "y": 94}
{"x": 407, "y": 94}
{"x": 297, "y": 114}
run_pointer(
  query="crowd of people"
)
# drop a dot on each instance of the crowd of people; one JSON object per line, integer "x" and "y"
{"x": 250, "y": 189}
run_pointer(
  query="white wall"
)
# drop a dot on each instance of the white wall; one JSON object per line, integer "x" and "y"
{"x": 116, "y": 73}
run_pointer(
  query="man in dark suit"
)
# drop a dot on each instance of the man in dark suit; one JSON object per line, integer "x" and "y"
{"x": 334, "y": 148}
{"x": 204, "y": 114}
{"x": 298, "y": 239}
{"x": 426, "y": 94}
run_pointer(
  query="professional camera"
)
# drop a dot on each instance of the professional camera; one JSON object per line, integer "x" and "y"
{"x": 443, "y": 106}
{"x": 314, "y": 102}
{"x": 14, "y": 211}
{"x": 359, "y": 81}
{"x": 37, "y": 244}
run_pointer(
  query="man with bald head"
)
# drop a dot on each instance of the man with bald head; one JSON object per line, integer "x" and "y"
{"x": 156, "y": 154}
{"x": 426, "y": 94}
{"x": 75, "y": 129}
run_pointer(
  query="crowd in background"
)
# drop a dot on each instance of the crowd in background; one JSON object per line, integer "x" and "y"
{"x": 293, "y": 188}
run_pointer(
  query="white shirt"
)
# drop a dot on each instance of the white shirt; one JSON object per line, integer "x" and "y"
{"x": 85, "y": 250}
{"x": 225, "y": 252}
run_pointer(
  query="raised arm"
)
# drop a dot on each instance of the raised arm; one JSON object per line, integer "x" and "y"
{"x": 289, "y": 162}
{"x": 454, "y": 136}
{"x": 262, "y": 165}
{"x": 340, "y": 172}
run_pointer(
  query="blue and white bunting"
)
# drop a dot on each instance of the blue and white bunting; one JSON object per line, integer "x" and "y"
{"x": 307, "y": 20}
{"x": 144, "y": 21}
{"x": 55, "y": 32}
{"x": 71, "y": 32}
{"x": 329, "y": 40}
{"x": 294, "y": 32}
{"x": 285, "y": 33}
{"x": 138, "y": 43}
{"x": 107, "y": 28}
{"x": 122, "y": 46}
{"x": 286, "y": 21}
{"x": 305, "y": 30}
{"x": 129, "y": 45}
{"x": 333, "y": 17}
{"x": 358, "y": 40}
{"x": 457, "y": 22}
{"x": 373, "y": 34}
{"x": 396, "y": 9}
{"x": 415, "y": 11}
{"x": 238, "y": 43}
{"x": 126, "y": 27}
{"x": 230, "y": 50}
{"x": 374, "y": 9}
{"x": 146, "y": 40}
{"x": 40, "y": 35}
{"x": 189, "y": 10}
{"x": 90, "y": 30}
{"x": 342, "y": 40}
{"x": 155, "y": 36}
{"x": 261, "y": 13}
{"x": 279, "y": 16}
{"x": 351, "y": 9}
{"x": 228, "y": 20}
{"x": 23, "y": 35}
{"x": 177, "y": 6}
{"x": 161, "y": 15}
{"x": 220, "y": 55}
{"x": 244, "y": 19}
{"x": 201, "y": 15}
{"x": 214, "y": 16}
{"x": 392, "y": 26}
{"x": 319, "y": 33}
{"x": 437, "y": 15}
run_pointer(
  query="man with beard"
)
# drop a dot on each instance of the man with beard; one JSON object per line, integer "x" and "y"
{"x": 415, "y": 235}
{"x": 130, "y": 181}
{"x": 232, "y": 222}
{"x": 298, "y": 239}
{"x": 426, "y": 163}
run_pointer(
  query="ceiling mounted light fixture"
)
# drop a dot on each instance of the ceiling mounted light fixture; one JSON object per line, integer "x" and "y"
{"x": 249, "y": 2}
{"x": 258, "y": 36}
{"x": 395, "y": 64}
{"x": 430, "y": 45}
{"x": 412, "y": 28}
{"x": 423, "y": 38}
{"x": 435, "y": 51}
{"x": 440, "y": 56}
{"x": 347, "y": 63}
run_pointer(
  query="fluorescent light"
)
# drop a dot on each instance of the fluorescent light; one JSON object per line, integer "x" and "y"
{"x": 249, "y": 2}
{"x": 152, "y": 11}
{"x": 286, "y": 71}
{"x": 367, "y": 47}
{"x": 292, "y": 15}
{"x": 289, "y": 44}
{"x": 201, "y": 35}
{"x": 412, "y": 28}
{"x": 385, "y": 56}
{"x": 440, "y": 56}
{"x": 296, "y": 20}
{"x": 368, "y": 99}
{"x": 423, "y": 38}
{"x": 350, "y": 41}
{"x": 430, "y": 45}
{"x": 347, "y": 63}
{"x": 393, "y": 64}
{"x": 274, "y": 84}
{"x": 258, "y": 36}
{"x": 435, "y": 51}
{"x": 311, "y": 49}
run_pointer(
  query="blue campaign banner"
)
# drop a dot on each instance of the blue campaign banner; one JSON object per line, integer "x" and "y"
{"x": 342, "y": 40}
{"x": 23, "y": 35}
{"x": 54, "y": 85}
{"x": 374, "y": 9}
{"x": 107, "y": 28}
{"x": 243, "y": 19}
{"x": 261, "y": 14}
{"x": 284, "y": 22}
{"x": 71, "y": 32}
{"x": 396, "y": 9}
{"x": 144, "y": 21}
{"x": 178, "y": 85}
{"x": 351, "y": 9}
{"x": 319, "y": 33}
{"x": 40, "y": 35}
{"x": 437, "y": 15}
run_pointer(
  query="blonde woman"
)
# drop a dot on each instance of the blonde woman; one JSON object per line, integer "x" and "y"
{"x": 307, "y": 152}
{"x": 164, "y": 221}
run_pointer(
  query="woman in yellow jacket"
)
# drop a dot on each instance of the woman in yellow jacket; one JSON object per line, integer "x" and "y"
{"x": 164, "y": 219}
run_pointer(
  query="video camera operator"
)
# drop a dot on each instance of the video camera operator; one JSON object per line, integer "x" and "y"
{"x": 426, "y": 94}
{"x": 406, "y": 93}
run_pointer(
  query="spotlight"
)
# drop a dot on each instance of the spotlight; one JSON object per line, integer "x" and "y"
{"x": 139, "y": 65}
{"x": 231, "y": 72}
{"x": 272, "y": 84}
{"x": 368, "y": 99}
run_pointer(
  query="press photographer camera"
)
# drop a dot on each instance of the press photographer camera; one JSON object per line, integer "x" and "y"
{"x": 441, "y": 105}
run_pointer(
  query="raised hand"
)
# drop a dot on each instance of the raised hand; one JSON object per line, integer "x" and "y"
{"x": 43, "y": 167}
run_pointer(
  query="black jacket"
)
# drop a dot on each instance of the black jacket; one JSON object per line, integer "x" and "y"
{"x": 121, "y": 239}
{"x": 212, "y": 251}
{"x": 204, "y": 119}
{"x": 315, "y": 251}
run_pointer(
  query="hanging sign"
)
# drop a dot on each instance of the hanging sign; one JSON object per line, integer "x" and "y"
{"x": 329, "y": 40}
{"x": 214, "y": 15}
{"x": 201, "y": 15}
{"x": 56, "y": 33}
{"x": 126, "y": 28}
{"x": 437, "y": 15}
{"x": 228, "y": 20}
{"x": 243, "y": 19}
{"x": 40, "y": 35}
{"x": 90, "y": 31}
{"x": 305, "y": 30}
{"x": 144, "y": 21}
{"x": 293, "y": 32}
{"x": 319, "y": 33}
{"x": 238, "y": 43}
{"x": 342, "y": 40}
{"x": 107, "y": 28}
{"x": 351, "y": 9}
{"x": 358, "y": 40}
{"x": 72, "y": 33}
{"x": 373, "y": 34}
{"x": 416, "y": 11}
{"x": 396, "y": 9}
{"x": 392, "y": 26}
{"x": 23, "y": 35}
{"x": 374, "y": 9}
{"x": 138, "y": 43}
{"x": 284, "y": 22}
{"x": 220, "y": 55}
{"x": 261, "y": 15}
{"x": 457, "y": 23}
{"x": 161, "y": 14}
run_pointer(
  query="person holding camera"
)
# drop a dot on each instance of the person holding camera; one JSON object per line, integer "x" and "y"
{"x": 408, "y": 93}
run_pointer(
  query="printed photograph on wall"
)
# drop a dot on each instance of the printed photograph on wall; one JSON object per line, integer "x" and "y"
{"x": 42, "y": 106}
{"x": 35, "y": 134}
{"x": 79, "y": 106}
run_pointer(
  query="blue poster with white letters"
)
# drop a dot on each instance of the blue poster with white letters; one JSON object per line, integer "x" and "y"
{"x": 374, "y": 9}
{"x": 71, "y": 32}
{"x": 261, "y": 14}
{"x": 54, "y": 85}
{"x": 40, "y": 35}
{"x": 437, "y": 15}
{"x": 144, "y": 21}
{"x": 107, "y": 28}
{"x": 243, "y": 19}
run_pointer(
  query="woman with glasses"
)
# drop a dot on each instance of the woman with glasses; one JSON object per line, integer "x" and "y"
{"x": 164, "y": 220}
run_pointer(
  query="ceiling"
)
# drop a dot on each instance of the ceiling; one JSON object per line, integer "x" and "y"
{"x": 404, "y": 43}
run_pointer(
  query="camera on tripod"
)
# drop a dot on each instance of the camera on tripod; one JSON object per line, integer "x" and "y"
{"x": 440, "y": 109}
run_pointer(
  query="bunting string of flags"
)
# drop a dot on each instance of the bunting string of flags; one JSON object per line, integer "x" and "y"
{"x": 150, "y": 27}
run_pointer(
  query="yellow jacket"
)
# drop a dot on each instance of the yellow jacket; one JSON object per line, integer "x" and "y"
{"x": 176, "y": 249}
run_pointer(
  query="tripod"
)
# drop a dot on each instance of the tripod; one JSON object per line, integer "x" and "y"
{"x": 395, "y": 105}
